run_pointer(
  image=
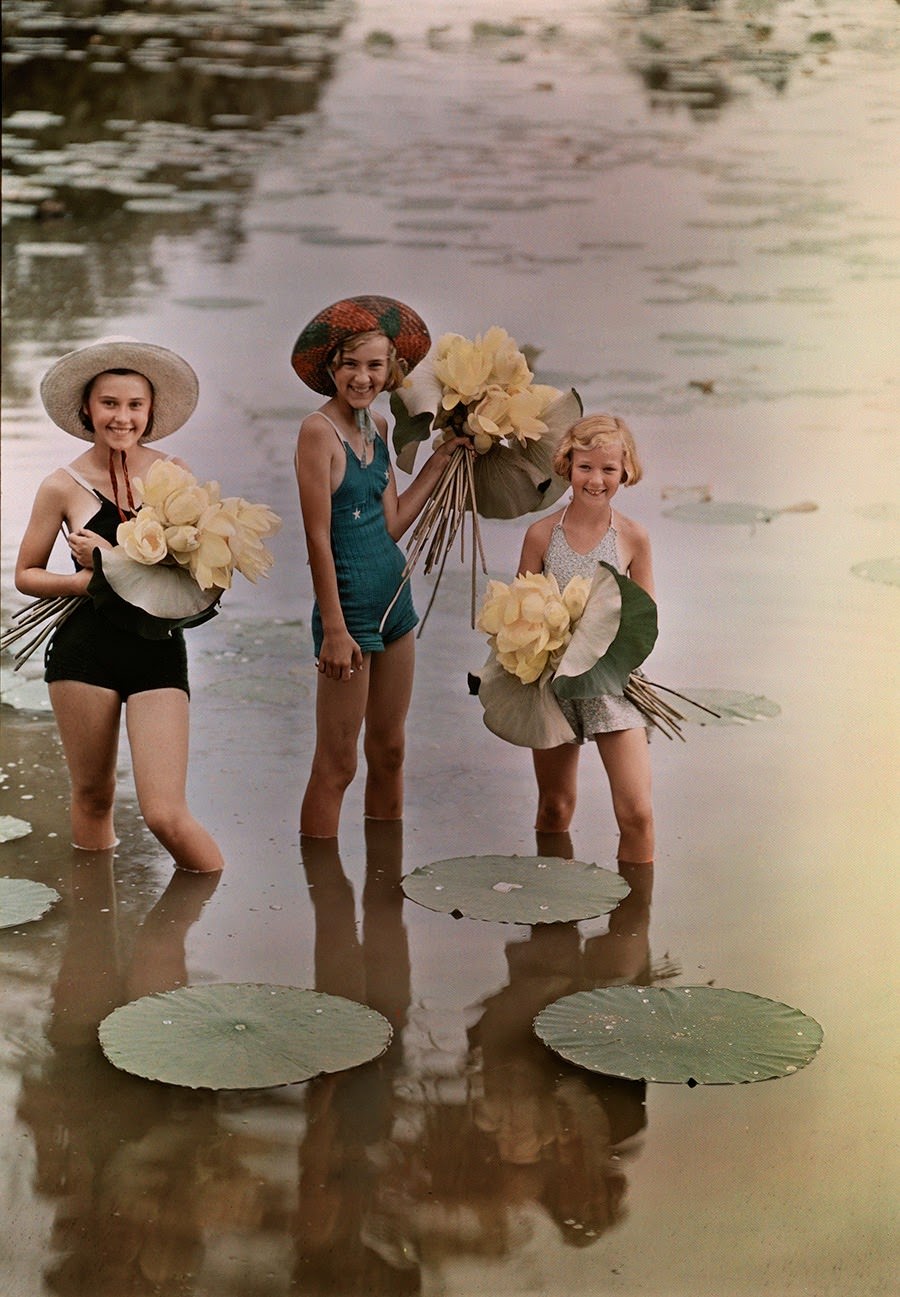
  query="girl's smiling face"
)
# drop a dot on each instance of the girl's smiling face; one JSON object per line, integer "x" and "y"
{"x": 596, "y": 475}
{"x": 361, "y": 374}
{"x": 119, "y": 408}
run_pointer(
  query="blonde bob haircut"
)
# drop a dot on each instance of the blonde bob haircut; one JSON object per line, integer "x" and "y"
{"x": 594, "y": 432}
{"x": 396, "y": 368}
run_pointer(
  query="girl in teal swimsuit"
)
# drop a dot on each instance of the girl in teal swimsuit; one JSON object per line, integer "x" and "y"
{"x": 117, "y": 394}
{"x": 353, "y": 518}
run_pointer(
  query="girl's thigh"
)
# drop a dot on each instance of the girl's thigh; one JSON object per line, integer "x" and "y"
{"x": 158, "y": 727}
{"x": 556, "y": 769}
{"x": 341, "y": 708}
{"x": 390, "y": 686}
{"x": 626, "y": 758}
{"x": 88, "y": 720}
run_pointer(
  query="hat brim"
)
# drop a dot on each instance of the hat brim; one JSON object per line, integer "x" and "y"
{"x": 175, "y": 386}
{"x": 334, "y": 324}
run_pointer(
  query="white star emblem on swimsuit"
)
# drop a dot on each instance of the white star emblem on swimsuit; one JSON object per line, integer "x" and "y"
{"x": 357, "y": 514}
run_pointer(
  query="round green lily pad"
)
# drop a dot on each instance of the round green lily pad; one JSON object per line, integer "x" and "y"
{"x": 721, "y": 513}
{"x": 516, "y": 889}
{"x": 885, "y": 570}
{"x": 731, "y": 706}
{"x": 23, "y": 901}
{"x": 694, "y": 1035}
{"x": 241, "y": 1036}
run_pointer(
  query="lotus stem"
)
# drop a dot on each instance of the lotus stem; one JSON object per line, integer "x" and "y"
{"x": 44, "y": 616}
{"x": 685, "y": 698}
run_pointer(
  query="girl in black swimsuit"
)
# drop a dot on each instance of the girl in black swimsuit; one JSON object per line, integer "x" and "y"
{"x": 117, "y": 394}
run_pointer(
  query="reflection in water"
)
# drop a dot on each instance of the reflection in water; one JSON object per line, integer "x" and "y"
{"x": 119, "y": 1172}
{"x": 401, "y": 1172}
{"x": 346, "y": 1155}
{"x": 120, "y": 126}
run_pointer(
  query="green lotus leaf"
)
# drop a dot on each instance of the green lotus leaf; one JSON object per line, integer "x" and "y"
{"x": 22, "y": 900}
{"x": 12, "y": 828}
{"x": 885, "y": 570}
{"x": 731, "y": 705}
{"x": 148, "y": 599}
{"x": 721, "y": 513}
{"x": 514, "y": 480}
{"x": 633, "y": 639}
{"x": 526, "y": 715}
{"x": 694, "y": 1035}
{"x": 516, "y": 889}
{"x": 241, "y": 1036}
{"x": 410, "y": 430}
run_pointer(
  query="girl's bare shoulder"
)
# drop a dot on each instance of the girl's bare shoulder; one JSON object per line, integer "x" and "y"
{"x": 634, "y": 532}
{"x": 541, "y": 530}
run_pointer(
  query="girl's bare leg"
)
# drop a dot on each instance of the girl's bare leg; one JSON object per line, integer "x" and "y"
{"x": 556, "y": 770}
{"x": 340, "y": 709}
{"x": 390, "y": 691}
{"x": 88, "y": 721}
{"x": 157, "y": 723}
{"x": 626, "y": 758}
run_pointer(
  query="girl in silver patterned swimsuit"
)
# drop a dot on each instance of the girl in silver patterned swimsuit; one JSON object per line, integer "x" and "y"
{"x": 597, "y": 455}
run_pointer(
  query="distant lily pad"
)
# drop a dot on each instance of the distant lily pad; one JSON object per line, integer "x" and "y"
{"x": 516, "y": 889}
{"x": 884, "y": 570}
{"x": 694, "y": 1035}
{"x": 732, "y": 707}
{"x": 22, "y": 900}
{"x": 217, "y": 303}
{"x": 22, "y": 694}
{"x": 721, "y": 513}
{"x": 241, "y": 1036}
{"x": 12, "y": 828}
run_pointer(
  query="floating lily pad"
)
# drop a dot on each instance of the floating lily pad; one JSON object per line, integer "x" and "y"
{"x": 721, "y": 513}
{"x": 241, "y": 1036}
{"x": 22, "y": 900}
{"x": 12, "y": 828}
{"x": 885, "y": 570}
{"x": 732, "y": 707}
{"x": 516, "y": 889}
{"x": 694, "y": 1035}
{"x": 23, "y": 695}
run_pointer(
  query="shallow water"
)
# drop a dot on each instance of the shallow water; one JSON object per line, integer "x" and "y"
{"x": 694, "y": 218}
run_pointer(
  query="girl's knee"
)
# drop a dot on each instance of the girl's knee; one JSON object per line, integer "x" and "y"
{"x": 555, "y": 811}
{"x": 94, "y": 800}
{"x": 386, "y": 755}
{"x": 335, "y": 769}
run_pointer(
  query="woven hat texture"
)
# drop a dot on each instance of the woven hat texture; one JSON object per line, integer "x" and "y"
{"x": 352, "y": 315}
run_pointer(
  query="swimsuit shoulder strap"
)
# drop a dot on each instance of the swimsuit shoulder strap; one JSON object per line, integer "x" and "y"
{"x": 82, "y": 481}
{"x": 337, "y": 431}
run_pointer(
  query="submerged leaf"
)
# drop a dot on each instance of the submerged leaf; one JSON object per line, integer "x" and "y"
{"x": 885, "y": 570}
{"x": 516, "y": 889}
{"x": 732, "y": 707}
{"x": 22, "y": 900}
{"x": 721, "y": 513}
{"x": 241, "y": 1036}
{"x": 695, "y": 1035}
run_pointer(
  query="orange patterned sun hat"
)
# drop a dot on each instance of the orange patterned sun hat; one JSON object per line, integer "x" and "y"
{"x": 352, "y": 315}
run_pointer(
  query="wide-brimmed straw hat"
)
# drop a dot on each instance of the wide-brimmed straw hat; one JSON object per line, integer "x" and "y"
{"x": 350, "y": 316}
{"x": 175, "y": 385}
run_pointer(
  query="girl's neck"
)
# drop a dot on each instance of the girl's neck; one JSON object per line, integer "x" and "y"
{"x": 589, "y": 522}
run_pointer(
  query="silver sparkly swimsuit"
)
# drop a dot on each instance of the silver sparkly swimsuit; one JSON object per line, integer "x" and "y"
{"x": 606, "y": 712}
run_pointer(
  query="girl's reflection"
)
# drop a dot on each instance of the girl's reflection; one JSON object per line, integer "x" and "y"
{"x": 114, "y": 1230}
{"x": 560, "y": 1134}
{"x": 350, "y": 1115}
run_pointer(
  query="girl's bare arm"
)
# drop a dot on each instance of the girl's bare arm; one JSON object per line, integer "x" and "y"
{"x": 534, "y": 546}
{"x": 47, "y": 517}
{"x": 313, "y": 465}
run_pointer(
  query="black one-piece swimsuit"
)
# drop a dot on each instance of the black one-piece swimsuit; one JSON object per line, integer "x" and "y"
{"x": 89, "y": 648}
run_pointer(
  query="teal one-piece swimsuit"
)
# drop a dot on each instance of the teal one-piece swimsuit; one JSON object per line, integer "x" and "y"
{"x": 368, "y": 562}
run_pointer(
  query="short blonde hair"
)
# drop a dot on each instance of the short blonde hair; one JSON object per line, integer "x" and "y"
{"x": 396, "y": 368}
{"x": 594, "y": 432}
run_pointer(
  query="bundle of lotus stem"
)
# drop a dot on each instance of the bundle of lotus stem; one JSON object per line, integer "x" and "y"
{"x": 38, "y": 619}
{"x": 642, "y": 692}
{"x": 439, "y": 523}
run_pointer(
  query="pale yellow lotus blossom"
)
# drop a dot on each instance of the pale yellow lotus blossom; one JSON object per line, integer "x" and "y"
{"x": 143, "y": 537}
{"x": 181, "y": 541}
{"x": 490, "y": 418}
{"x": 161, "y": 481}
{"x": 509, "y": 368}
{"x": 575, "y": 596}
{"x": 527, "y": 623}
{"x": 211, "y": 563}
{"x": 257, "y": 518}
{"x": 463, "y": 368}
{"x": 185, "y": 505}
